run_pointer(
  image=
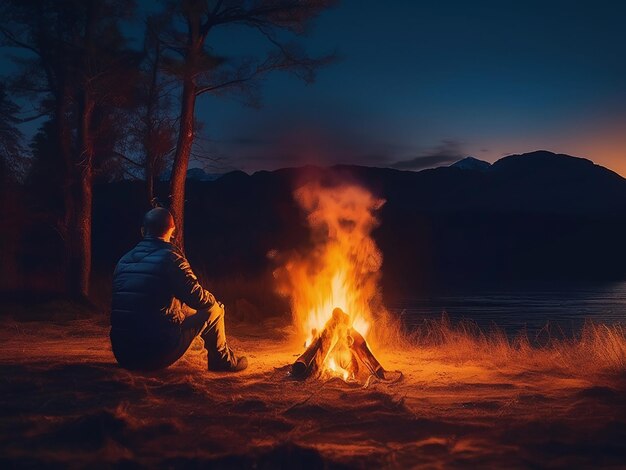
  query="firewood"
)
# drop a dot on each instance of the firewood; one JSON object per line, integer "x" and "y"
{"x": 362, "y": 351}
{"x": 317, "y": 352}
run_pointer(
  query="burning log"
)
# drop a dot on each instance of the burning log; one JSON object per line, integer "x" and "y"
{"x": 346, "y": 346}
{"x": 360, "y": 348}
{"x": 317, "y": 352}
{"x": 304, "y": 364}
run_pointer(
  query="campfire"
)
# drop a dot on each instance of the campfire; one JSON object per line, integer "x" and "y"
{"x": 340, "y": 349}
{"x": 333, "y": 284}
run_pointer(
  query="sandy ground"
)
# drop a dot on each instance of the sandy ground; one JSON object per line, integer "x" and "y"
{"x": 65, "y": 402}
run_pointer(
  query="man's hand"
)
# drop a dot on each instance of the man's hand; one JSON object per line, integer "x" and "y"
{"x": 186, "y": 286}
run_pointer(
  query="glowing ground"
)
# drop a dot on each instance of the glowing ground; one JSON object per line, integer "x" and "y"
{"x": 64, "y": 401}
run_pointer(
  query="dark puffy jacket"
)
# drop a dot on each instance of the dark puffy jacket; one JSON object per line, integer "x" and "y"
{"x": 149, "y": 284}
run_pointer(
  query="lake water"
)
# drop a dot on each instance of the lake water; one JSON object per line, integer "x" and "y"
{"x": 565, "y": 306}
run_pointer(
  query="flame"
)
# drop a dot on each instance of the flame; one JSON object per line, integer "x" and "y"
{"x": 341, "y": 266}
{"x": 334, "y": 369}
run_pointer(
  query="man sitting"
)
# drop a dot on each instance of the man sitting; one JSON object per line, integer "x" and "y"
{"x": 159, "y": 306}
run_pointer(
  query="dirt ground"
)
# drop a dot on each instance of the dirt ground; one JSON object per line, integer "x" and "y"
{"x": 64, "y": 402}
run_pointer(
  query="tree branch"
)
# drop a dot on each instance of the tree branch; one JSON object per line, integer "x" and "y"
{"x": 129, "y": 160}
{"x": 18, "y": 43}
{"x": 33, "y": 118}
{"x": 226, "y": 84}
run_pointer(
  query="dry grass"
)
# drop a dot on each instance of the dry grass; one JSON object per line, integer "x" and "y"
{"x": 596, "y": 348}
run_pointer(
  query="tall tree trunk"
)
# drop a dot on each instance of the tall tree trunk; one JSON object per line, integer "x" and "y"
{"x": 64, "y": 141}
{"x": 181, "y": 158}
{"x": 80, "y": 238}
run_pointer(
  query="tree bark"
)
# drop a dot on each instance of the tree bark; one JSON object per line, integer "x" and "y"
{"x": 80, "y": 229}
{"x": 64, "y": 142}
{"x": 195, "y": 43}
{"x": 181, "y": 158}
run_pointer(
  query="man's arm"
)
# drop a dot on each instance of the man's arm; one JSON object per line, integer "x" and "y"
{"x": 186, "y": 286}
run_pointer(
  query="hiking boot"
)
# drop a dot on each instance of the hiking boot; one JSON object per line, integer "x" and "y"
{"x": 228, "y": 363}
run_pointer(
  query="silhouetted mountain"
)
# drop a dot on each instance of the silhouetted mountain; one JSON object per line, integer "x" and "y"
{"x": 548, "y": 182}
{"x": 527, "y": 217}
{"x": 471, "y": 163}
{"x": 199, "y": 174}
{"x": 196, "y": 174}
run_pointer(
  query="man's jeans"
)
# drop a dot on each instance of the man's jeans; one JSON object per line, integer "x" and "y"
{"x": 137, "y": 353}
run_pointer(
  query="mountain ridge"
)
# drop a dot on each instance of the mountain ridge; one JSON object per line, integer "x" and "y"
{"x": 540, "y": 181}
{"x": 543, "y": 216}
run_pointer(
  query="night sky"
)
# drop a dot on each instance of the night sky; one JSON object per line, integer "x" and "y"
{"x": 425, "y": 83}
{"x": 422, "y": 84}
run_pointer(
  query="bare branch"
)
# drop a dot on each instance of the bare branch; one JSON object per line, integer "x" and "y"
{"x": 18, "y": 43}
{"x": 229, "y": 83}
{"x": 129, "y": 160}
{"x": 197, "y": 156}
{"x": 34, "y": 117}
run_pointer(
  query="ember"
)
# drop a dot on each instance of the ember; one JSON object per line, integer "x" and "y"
{"x": 334, "y": 285}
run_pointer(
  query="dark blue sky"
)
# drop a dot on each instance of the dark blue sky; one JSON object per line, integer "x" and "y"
{"x": 422, "y": 83}
{"x": 425, "y": 83}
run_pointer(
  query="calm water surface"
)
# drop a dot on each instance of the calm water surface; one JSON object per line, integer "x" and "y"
{"x": 565, "y": 307}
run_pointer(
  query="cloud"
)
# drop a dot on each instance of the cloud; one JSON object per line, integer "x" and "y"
{"x": 299, "y": 145}
{"x": 449, "y": 151}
